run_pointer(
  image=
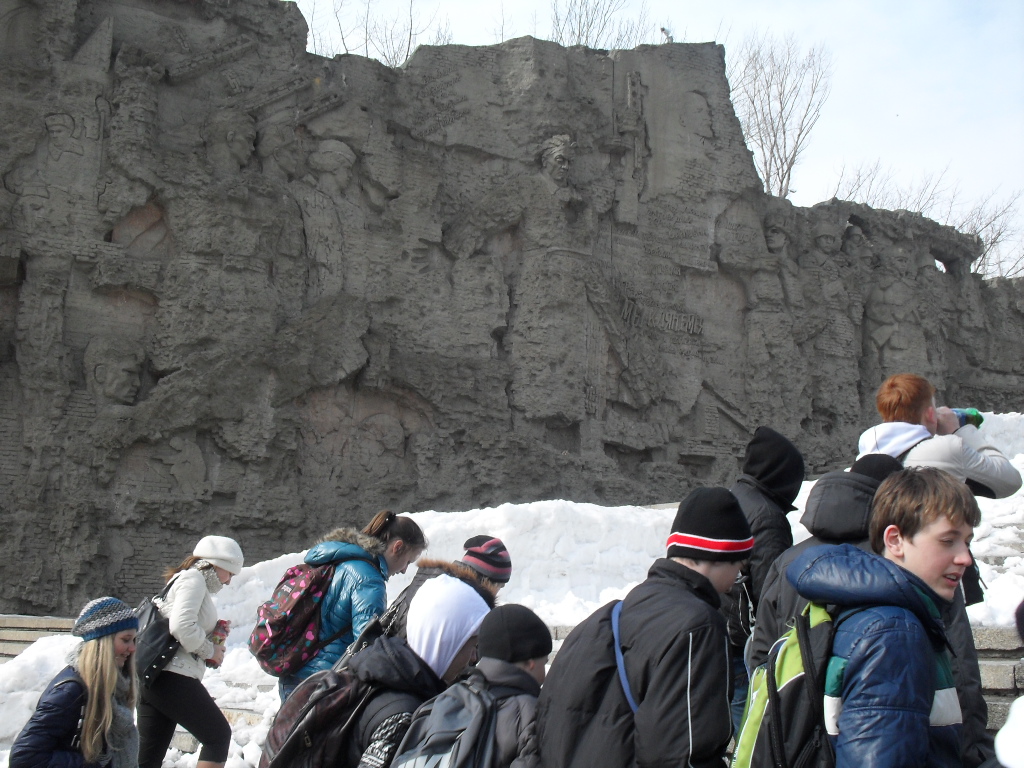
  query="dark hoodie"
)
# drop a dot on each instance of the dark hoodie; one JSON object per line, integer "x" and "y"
{"x": 773, "y": 471}
{"x": 405, "y": 681}
{"x": 889, "y": 695}
{"x": 838, "y": 511}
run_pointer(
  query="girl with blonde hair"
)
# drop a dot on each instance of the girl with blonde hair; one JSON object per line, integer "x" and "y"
{"x": 85, "y": 717}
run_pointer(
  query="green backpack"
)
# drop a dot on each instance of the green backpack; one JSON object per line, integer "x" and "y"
{"x": 784, "y": 720}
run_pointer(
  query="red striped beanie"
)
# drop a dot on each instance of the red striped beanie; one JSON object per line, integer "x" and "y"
{"x": 488, "y": 556}
{"x": 710, "y": 525}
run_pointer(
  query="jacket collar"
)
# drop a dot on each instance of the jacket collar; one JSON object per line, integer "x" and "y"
{"x": 670, "y": 570}
{"x": 507, "y": 674}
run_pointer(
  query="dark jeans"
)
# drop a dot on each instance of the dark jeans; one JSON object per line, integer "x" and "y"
{"x": 740, "y": 682}
{"x": 174, "y": 699}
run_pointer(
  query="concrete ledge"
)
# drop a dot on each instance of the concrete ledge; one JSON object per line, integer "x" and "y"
{"x": 1001, "y": 639}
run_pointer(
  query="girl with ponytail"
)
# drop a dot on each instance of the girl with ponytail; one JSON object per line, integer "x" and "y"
{"x": 363, "y": 561}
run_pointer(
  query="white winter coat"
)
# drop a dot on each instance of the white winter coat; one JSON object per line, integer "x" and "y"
{"x": 966, "y": 454}
{"x": 190, "y": 609}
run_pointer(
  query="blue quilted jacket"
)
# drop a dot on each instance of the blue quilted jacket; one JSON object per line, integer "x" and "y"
{"x": 357, "y": 592}
{"x": 890, "y": 700}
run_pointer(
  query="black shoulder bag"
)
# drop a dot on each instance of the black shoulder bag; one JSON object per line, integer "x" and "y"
{"x": 155, "y": 646}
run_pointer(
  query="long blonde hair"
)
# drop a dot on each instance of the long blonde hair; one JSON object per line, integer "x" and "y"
{"x": 99, "y": 672}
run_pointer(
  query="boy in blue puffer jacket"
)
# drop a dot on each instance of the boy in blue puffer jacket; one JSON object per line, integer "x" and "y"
{"x": 890, "y": 698}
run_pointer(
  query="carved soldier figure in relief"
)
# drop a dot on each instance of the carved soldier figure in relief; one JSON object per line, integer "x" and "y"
{"x": 326, "y": 213}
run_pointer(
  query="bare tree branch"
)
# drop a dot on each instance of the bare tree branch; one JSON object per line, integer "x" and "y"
{"x": 991, "y": 218}
{"x": 778, "y": 92}
{"x": 596, "y": 24}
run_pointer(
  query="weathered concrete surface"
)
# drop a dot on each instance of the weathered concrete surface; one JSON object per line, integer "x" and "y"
{"x": 248, "y": 290}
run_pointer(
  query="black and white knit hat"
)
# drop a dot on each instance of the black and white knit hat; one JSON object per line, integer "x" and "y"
{"x": 710, "y": 525}
{"x": 488, "y": 556}
{"x": 104, "y": 616}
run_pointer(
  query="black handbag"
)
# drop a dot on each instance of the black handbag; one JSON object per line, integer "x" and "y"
{"x": 155, "y": 646}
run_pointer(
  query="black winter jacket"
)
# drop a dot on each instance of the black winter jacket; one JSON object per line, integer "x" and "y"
{"x": 515, "y": 732}
{"x": 838, "y": 511}
{"x": 773, "y": 535}
{"x": 394, "y": 619}
{"x": 674, "y": 646}
{"x": 405, "y": 681}
{"x": 46, "y": 740}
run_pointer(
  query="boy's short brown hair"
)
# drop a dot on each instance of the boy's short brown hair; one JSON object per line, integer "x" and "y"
{"x": 916, "y": 497}
{"x": 904, "y": 397}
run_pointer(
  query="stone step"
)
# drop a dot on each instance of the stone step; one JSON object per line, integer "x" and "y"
{"x": 51, "y": 624}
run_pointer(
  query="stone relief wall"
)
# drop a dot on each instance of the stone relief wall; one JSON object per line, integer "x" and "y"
{"x": 251, "y": 291}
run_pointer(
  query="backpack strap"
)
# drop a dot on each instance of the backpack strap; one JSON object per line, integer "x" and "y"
{"x": 619, "y": 661}
{"x": 75, "y": 743}
{"x": 902, "y": 458}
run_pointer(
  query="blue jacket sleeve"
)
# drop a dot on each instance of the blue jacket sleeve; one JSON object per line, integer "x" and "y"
{"x": 888, "y": 689}
{"x": 44, "y": 741}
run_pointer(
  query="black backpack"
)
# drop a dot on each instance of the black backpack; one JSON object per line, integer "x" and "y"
{"x": 313, "y": 726}
{"x": 455, "y": 729}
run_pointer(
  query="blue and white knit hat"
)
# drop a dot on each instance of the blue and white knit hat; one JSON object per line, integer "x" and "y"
{"x": 104, "y": 616}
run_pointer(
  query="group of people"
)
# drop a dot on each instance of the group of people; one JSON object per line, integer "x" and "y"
{"x": 657, "y": 679}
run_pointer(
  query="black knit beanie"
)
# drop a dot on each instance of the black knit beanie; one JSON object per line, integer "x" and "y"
{"x": 710, "y": 525}
{"x": 513, "y": 633}
{"x": 776, "y": 464}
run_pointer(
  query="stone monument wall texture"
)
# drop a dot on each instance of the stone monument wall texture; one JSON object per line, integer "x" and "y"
{"x": 250, "y": 291}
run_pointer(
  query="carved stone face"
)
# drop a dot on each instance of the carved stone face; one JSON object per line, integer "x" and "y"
{"x": 775, "y": 238}
{"x": 118, "y": 380}
{"x": 828, "y": 243}
{"x": 287, "y": 158}
{"x": 31, "y": 212}
{"x": 239, "y": 142}
{"x": 697, "y": 115}
{"x": 556, "y": 165}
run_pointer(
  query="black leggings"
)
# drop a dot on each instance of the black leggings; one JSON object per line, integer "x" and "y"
{"x": 174, "y": 699}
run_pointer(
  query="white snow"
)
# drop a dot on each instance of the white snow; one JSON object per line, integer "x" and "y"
{"x": 568, "y": 559}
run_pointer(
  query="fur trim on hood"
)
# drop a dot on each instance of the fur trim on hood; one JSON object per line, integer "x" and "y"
{"x": 487, "y": 589}
{"x": 371, "y": 544}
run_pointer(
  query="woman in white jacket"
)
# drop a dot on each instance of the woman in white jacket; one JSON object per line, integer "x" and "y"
{"x": 178, "y": 696}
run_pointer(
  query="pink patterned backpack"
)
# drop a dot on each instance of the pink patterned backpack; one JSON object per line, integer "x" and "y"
{"x": 288, "y": 624}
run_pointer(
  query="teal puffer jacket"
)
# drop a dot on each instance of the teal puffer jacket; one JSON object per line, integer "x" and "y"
{"x": 357, "y": 592}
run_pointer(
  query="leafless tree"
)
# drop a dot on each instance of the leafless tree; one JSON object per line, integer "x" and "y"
{"x": 778, "y": 91}
{"x": 993, "y": 218}
{"x": 360, "y": 28}
{"x": 599, "y": 24}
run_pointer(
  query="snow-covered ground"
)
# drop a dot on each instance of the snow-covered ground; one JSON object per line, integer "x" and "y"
{"x": 567, "y": 559}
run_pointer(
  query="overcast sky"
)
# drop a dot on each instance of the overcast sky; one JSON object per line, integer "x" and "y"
{"x": 919, "y": 84}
